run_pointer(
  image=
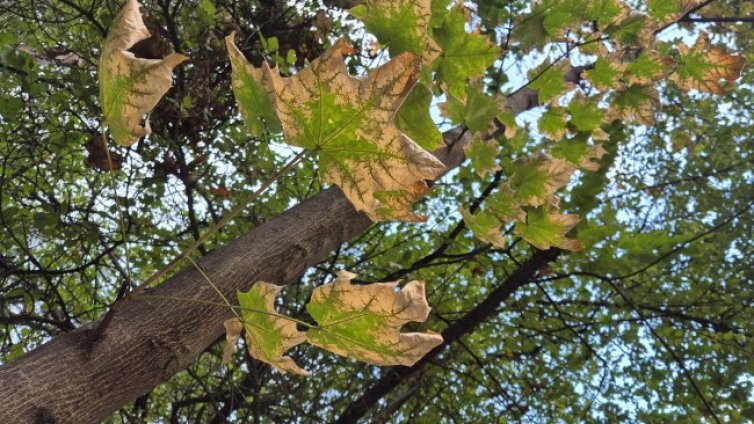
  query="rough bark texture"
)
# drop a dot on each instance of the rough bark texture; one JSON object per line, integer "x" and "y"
{"x": 68, "y": 380}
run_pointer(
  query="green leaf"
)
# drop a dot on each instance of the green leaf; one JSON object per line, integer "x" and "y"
{"x": 364, "y": 322}
{"x": 464, "y": 56}
{"x": 603, "y": 75}
{"x": 268, "y": 334}
{"x": 635, "y": 102}
{"x": 662, "y": 9}
{"x": 549, "y": 82}
{"x": 585, "y": 115}
{"x": 645, "y": 69}
{"x": 290, "y": 57}
{"x": 130, "y": 87}
{"x": 483, "y": 156}
{"x": 603, "y": 11}
{"x": 493, "y": 12}
{"x": 414, "y": 120}
{"x": 530, "y": 30}
{"x": 553, "y": 123}
{"x": 544, "y": 229}
{"x": 401, "y": 25}
{"x": 439, "y": 10}
{"x": 249, "y": 88}
{"x": 10, "y": 107}
{"x": 350, "y": 123}
{"x": 485, "y": 226}
{"x": 207, "y": 11}
{"x": 577, "y": 151}
{"x": 476, "y": 112}
{"x": 557, "y": 19}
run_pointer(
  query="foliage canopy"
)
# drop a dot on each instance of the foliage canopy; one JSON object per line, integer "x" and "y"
{"x": 610, "y": 137}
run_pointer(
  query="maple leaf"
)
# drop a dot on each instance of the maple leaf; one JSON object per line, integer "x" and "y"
{"x": 549, "y": 81}
{"x": 578, "y": 152}
{"x": 545, "y": 229}
{"x": 485, "y": 226}
{"x": 586, "y": 116}
{"x": 464, "y": 56}
{"x": 401, "y": 25}
{"x": 404, "y": 26}
{"x": 130, "y": 87}
{"x": 268, "y": 334}
{"x": 364, "y": 322}
{"x": 667, "y": 11}
{"x": 535, "y": 180}
{"x": 477, "y": 111}
{"x": 553, "y": 122}
{"x": 605, "y": 73}
{"x": 703, "y": 67}
{"x": 648, "y": 68}
{"x": 636, "y": 101}
{"x": 482, "y": 154}
{"x": 350, "y": 123}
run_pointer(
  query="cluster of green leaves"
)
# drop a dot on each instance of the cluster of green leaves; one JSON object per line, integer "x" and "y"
{"x": 662, "y": 216}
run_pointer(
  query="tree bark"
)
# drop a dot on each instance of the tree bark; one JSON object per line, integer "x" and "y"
{"x": 70, "y": 380}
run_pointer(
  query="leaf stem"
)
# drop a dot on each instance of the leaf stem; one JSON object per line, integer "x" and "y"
{"x": 206, "y": 277}
{"x": 121, "y": 215}
{"x": 234, "y": 307}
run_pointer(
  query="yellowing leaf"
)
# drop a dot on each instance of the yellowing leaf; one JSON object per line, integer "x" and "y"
{"x": 364, "y": 322}
{"x": 350, "y": 123}
{"x": 130, "y": 87}
{"x": 252, "y": 95}
{"x": 268, "y": 334}
{"x": 703, "y": 67}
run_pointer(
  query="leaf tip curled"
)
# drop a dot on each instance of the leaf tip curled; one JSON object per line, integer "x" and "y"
{"x": 174, "y": 59}
{"x": 233, "y": 327}
{"x": 131, "y": 87}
